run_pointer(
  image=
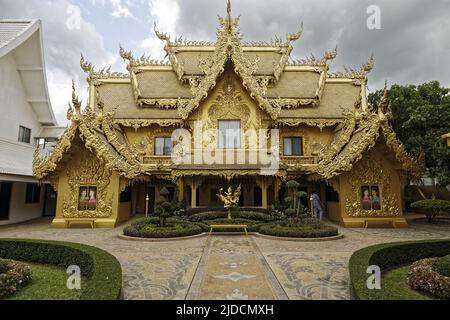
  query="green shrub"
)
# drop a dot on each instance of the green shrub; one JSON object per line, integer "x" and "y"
{"x": 388, "y": 256}
{"x": 150, "y": 228}
{"x": 207, "y": 216}
{"x": 432, "y": 208}
{"x": 192, "y": 211}
{"x": 3, "y": 266}
{"x": 250, "y": 215}
{"x": 101, "y": 268}
{"x": 170, "y": 232}
{"x": 306, "y": 231}
{"x": 443, "y": 266}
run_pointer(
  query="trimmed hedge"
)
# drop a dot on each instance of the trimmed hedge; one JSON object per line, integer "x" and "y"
{"x": 192, "y": 211}
{"x": 148, "y": 228}
{"x": 306, "y": 231}
{"x": 443, "y": 266}
{"x": 388, "y": 256}
{"x": 101, "y": 268}
{"x": 213, "y": 215}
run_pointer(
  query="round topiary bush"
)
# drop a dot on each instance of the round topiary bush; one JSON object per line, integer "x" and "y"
{"x": 150, "y": 228}
{"x": 432, "y": 208}
{"x": 13, "y": 275}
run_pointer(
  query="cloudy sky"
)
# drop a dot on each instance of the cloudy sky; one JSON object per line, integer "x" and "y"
{"x": 412, "y": 45}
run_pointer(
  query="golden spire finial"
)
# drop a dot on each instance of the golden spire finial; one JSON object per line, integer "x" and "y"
{"x": 229, "y": 9}
{"x": 76, "y": 104}
{"x": 384, "y": 108}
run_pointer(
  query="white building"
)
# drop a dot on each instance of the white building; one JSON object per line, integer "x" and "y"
{"x": 26, "y": 117}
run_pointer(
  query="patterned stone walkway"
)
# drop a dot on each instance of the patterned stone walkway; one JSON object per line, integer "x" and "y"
{"x": 231, "y": 267}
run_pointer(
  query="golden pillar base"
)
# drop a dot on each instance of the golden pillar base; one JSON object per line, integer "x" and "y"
{"x": 375, "y": 223}
{"x": 98, "y": 223}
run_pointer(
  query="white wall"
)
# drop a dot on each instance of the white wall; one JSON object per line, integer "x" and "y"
{"x": 19, "y": 211}
{"x": 14, "y": 107}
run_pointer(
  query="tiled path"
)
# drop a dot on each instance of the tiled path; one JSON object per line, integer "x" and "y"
{"x": 231, "y": 267}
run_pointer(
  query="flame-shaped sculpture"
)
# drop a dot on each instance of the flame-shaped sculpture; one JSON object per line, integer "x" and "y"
{"x": 229, "y": 198}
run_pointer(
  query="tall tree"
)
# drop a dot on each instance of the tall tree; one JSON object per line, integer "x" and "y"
{"x": 421, "y": 116}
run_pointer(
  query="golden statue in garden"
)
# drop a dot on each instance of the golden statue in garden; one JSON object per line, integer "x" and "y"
{"x": 229, "y": 198}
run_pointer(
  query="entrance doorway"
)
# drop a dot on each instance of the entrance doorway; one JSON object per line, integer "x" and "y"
{"x": 257, "y": 197}
{"x": 5, "y": 199}
{"x": 150, "y": 191}
{"x": 49, "y": 202}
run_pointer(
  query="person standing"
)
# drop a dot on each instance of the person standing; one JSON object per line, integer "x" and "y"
{"x": 317, "y": 207}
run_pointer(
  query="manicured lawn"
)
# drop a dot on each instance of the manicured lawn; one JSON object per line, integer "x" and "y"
{"x": 396, "y": 280}
{"x": 48, "y": 283}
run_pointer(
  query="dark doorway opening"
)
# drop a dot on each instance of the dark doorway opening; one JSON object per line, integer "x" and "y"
{"x": 150, "y": 191}
{"x": 257, "y": 197}
{"x": 5, "y": 199}
{"x": 49, "y": 201}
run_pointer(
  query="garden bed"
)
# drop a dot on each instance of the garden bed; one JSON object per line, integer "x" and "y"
{"x": 14, "y": 275}
{"x": 149, "y": 228}
{"x": 102, "y": 270}
{"x": 388, "y": 257}
{"x": 431, "y": 276}
{"x": 313, "y": 230}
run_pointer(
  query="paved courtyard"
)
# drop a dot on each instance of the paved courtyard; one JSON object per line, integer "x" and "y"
{"x": 231, "y": 267}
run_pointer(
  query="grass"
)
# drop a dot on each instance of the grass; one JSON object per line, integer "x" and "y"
{"x": 48, "y": 283}
{"x": 396, "y": 280}
{"x": 390, "y": 257}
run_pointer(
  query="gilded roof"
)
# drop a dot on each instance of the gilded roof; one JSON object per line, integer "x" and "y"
{"x": 168, "y": 92}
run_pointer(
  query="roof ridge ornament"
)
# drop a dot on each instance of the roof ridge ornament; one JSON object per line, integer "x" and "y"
{"x": 384, "y": 106}
{"x": 76, "y": 104}
{"x": 352, "y": 73}
{"x": 177, "y": 65}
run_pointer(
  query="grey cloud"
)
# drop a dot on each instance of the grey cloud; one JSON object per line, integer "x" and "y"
{"x": 62, "y": 46}
{"x": 411, "y": 47}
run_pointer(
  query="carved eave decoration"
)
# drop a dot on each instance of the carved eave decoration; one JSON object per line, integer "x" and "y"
{"x": 228, "y": 48}
{"x": 96, "y": 131}
{"x": 350, "y": 73}
{"x": 142, "y": 123}
{"x": 94, "y": 76}
{"x": 42, "y": 167}
{"x": 361, "y": 134}
{"x": 225, "y": 174}
{"x": 285, "y": 50}
{"x": 312, "y": 122}
{"x": 363, "y": 139}
{"x": 170, "y": 48}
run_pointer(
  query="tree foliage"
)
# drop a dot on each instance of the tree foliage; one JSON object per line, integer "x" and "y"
{"x": 421, "y": 117}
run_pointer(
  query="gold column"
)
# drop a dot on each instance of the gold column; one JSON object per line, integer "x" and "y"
{"x": 194, "y": 187}
{"x": 180, "y": 187}
{"x": 263, "y": 184}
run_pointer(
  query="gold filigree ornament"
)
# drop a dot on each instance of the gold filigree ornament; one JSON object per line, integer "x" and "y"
{"x": 228, "y": 48}
{"x": 370, "y": 172}
{"x": 88, "y": 171}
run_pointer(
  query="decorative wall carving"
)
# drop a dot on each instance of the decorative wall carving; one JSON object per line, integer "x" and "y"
{"x": 369, "y": 171}
{"x": 87, "y": 171}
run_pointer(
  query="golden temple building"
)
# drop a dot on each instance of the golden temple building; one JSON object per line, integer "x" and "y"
{"x": 209, "y": 98}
